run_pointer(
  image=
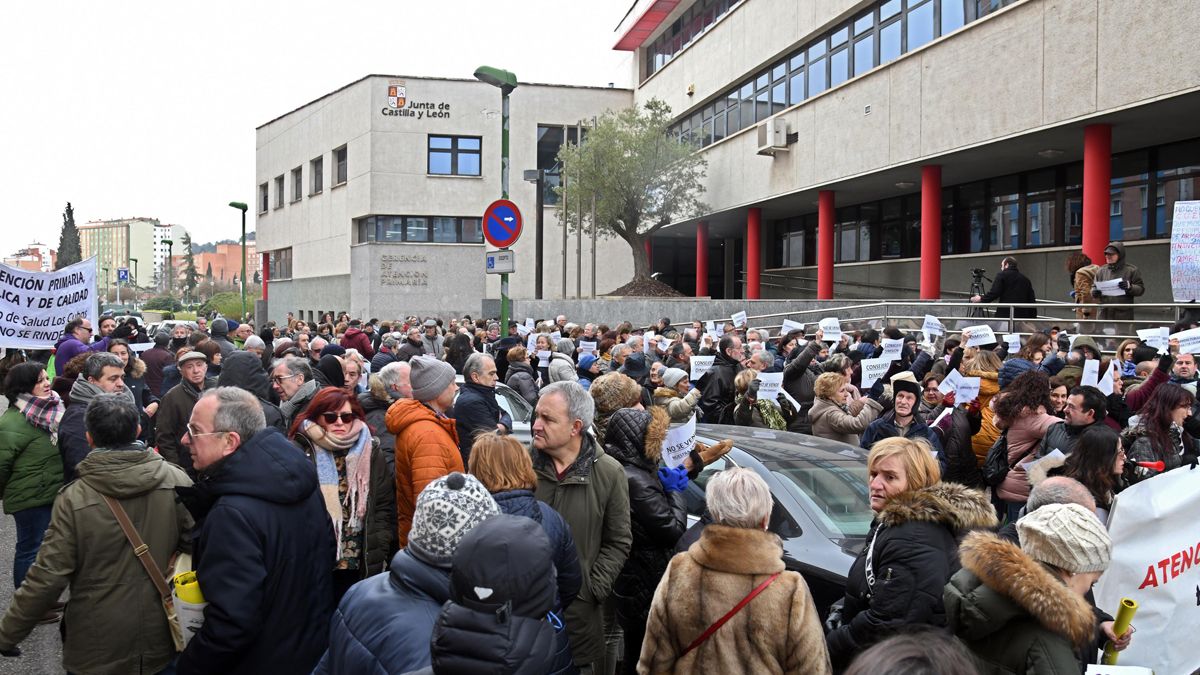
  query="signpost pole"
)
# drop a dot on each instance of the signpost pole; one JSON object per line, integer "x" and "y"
{"x": 504, "y": 195}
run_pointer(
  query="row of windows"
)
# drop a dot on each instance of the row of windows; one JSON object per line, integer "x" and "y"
{"x": 1027, "y": 210}
{"x": 879, "y": 35}
{"x": 279, "y": 264}
{"x": 316, "y": 174}
{"x": 436, "y": 229}
{"x": 689, "y": 26}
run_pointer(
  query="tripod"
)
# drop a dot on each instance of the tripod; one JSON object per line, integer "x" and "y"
{"x": 977, "y": 281}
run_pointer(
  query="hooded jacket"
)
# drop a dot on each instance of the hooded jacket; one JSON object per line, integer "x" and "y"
{"x": 426, "y": 449}
{"x": 1012, "y": 613}
{"x": 354, "y": 338}
{"x": 885, "y": 427}
{"x": 679, "y": 407}
{"x": 566, "y": 559}
{"x": 777, "y": 632}
{"x": 913, "y": 546}
{"x": 31, "y": 470}
{"x": 561, "y": 369}
{"x": 1120, "y": 270}
{"x": 828, "y": 420}
{"x": 264, "y": 557}
{"x": 245, "y": 371}
{"x": 476, "y": 411}
{"x": 219, "y": 332}
{"x": 521, "y": 379}
{"x": 376, "y": 411}
{"x": 85, "y": 550}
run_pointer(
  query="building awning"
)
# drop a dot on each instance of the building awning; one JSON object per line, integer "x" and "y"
{"x": 647, "y": 23}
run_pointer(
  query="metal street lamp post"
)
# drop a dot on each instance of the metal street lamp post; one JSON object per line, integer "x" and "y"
{"x": 168, "y": 281}
{"x": 105, "y": 283}
{"x": 506, "y": 82}
{"x": 241, "y": 206}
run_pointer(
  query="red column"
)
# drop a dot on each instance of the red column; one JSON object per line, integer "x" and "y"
{"x": 701, "y": 259}
{"x": 266, "y": 272}
{"x": 825, "y": 245}
{"x": 1097, "y": 176}
{"x": 931, "y": 232}
{"x": 753, "y": 254}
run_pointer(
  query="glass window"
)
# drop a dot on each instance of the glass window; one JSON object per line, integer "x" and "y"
{"x": 472, "y": 233}
{"x": 953, "y": 15}
{"x": 747, "y": 106}
{"x": 778, "y": 72}
{"x": 864, "y": 54}
{"x": 839, "y": 66}
{"x": 392, "y": 228}
{"x": 445, "y": 230}
{"x": 316, "y": 171}
{"x": 889, "y": 42}
{"x": 816, "y": 51}
{"x": 263, "y": 200}
{"x": 889, "y": 9}
{"x": 1039, "y": 223}
{"x": 779, "y": 97}
{"x": 839, "y": 37}
{"x": 816, "y": 77}
{"x": 719, "y": 126}
{"x": 762, "y": 80}
{"x": 920, "y": 25}
{"x": 796, "y": 88}
{"x": 444, "y": 142}
{"x": 416, "y": 229}
{"x": 454, "y": 155}
{"x": 297, "y": 184}
{"x": 339, "y": 163}
{"x": 864, "y": 23}
{"x": 279, "y": 191}
{"x": 440, "y": 163}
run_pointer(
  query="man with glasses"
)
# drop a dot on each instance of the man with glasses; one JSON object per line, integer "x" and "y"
{"x": 77, "y": 335}
{"x": 176, "y": 407}
{"x": 265, "y": 552}
{"x": 315, "y": 346}
{"x": 292, "y": 379}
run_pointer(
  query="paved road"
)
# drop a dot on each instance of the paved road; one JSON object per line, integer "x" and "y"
{"x": 42, "y": 650}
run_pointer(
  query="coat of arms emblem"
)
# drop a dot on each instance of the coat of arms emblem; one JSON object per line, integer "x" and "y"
{"x": 396, "y": 94}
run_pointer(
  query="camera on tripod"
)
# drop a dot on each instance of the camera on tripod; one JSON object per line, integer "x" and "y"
{"x": 978, "y": 272}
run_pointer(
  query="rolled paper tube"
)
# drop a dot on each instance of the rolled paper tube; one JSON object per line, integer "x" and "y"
{"x": 1120, "y": 626}
{"x": 187, "y": 588}
{"x": 1157, "y": 466}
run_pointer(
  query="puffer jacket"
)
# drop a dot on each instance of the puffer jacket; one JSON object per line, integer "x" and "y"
{"x": 426, "y": 449}
{"x": 1025, "y": 434}
{"x": 988, "y": 432}
{"x": 31, "y": 470}
{"x": 379, "y": 530}
{"x": 913, "y": 545}
{"x": 566, "y": 559}
{"x": 955, "y": 434}
{"x": 521, "y": 379}
{"x": 561, "y": 369}
{"x": 1140, "y": 448}
{"x": 382, "y": 359}
{"x": 679, "y": 407}
{"x": 1083, "y": 282}
{"x": 376, "y": 412}
{"x": 85, "y": 550}
{"x": 1015, "y": 366}
{"x": 828, "y": 420}
{"x": 1120, "y": 270}
{"x": 885, "y": 427}
{"x": 799, "y": 381}
{"x": 657, "y": 518}
{"x": 1012, "y": 613}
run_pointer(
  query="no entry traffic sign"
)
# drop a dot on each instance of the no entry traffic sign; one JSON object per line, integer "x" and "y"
{"x": 502, "y": 223}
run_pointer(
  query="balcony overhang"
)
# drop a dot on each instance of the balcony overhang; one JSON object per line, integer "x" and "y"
{"x": 646, "y": 24}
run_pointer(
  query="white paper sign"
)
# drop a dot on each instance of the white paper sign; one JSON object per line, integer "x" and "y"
{"x": 966, "y": 390}
{"x": 544, "y": 358}
{"x": 1105, "y": 385}
{"x": 1110, "y": 287}
{"x": 144, "y": 346}
{"x": 789, "y": 326}
{"x": 1189, "y": 341}
{"x": 1185, "y": 251}
{"x": 739, "y": 319}
{"x": 647, "y": 341}
{"x": 981, "y": 335}
{"x": 1091, "y": 373}
{"x": 555, "y": 337}
{"x": 873, "y": 369}
{"x": 891, "y": 349}
{"x": 945, "y": 411}
{"x": 1159, "y": 338}
{"x": 35, "y": 306}
{"x": 1056, "y": 453}
{"x": 700, "y": 366}
{"x": 831, "y": 328}
{"x": 529, "y": 323}
{"x": 720, "y": 330}
{"x": 710, "y": 326}
{"x": 523, "y": 330}
{"x": 950, "y": 382}
{"x": 663, "y": 344}
{"x": 1155, "y": 525}
{"x": 531, "y": 343}
{"x": 1014, "y": 342}
{"x": 586, "y": 347}
{"x": 769, "y": 385}
{"x": 933, "y": 326}
{"x": 679, "y": 443}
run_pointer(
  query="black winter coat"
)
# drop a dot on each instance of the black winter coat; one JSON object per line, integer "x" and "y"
{"x": 408, "y": 349}
{"x": 1012, "y": 286}
{"x": 265, "y": 554}
{"x": 245, "y": 371}
{"x": 799, "y": 381}
{"x": 913, "y": 554}
{"x": 376, "y": 411}
{"x": 476, "y": 412}
{"x": 522, "y": 380}
{"x": 717, "y": 401}
{"x": 72, "y": 443}
{"x": 566, "y": 558}
{"x": 382, "y": 359}
{"x": 962, "y": 466}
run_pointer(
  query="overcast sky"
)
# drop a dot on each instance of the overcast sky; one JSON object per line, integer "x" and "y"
{"x": 136, "y": 108}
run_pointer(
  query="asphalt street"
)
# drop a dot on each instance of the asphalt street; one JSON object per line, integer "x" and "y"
{"x": 41, "y": 652}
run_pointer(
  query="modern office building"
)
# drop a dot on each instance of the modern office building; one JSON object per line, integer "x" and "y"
{"x": 138, "y": 244}
{"x": 884, "y": 148}
{"x": 370, "y": 198}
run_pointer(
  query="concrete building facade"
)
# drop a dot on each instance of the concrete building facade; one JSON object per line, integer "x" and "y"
{"x": 884, "y": 148}
{"x": 370, "y": 198}
{"x": 122, "y": 241}
{"x": 35, "y": 257}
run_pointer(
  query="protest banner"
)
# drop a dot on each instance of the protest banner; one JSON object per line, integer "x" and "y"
{"x": 1155, "y": 562}
{"x": 700, "y": 366}
{"x": 933, "y": 326}
{"x": 586, "y": 347}
{"x": 891, "y": 349}
{"x": 950, "y": 382}
{"x": 789, "y": 326}
{"x": 980, "y": 335}
{"x": 35, "y": 306}
{"x": 739, "y": 319}
{"x": 873, "y": 369}
{"x": 1185, "y": 251}
{"x": 769, "y": 385}
{"x": 679, "y": 442}
{"x": 1189, "y": 341}
{"x": 966, "y": 390}
{"x": 831, "y": 328}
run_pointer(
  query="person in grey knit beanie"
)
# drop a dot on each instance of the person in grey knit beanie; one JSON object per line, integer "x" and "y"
{"x": 429, "y": 377}
{"x": 1066, "y": 536}
{"x": 446, "y": 510}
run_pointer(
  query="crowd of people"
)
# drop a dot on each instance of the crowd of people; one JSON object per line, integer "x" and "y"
{"x": 351, "y": 497}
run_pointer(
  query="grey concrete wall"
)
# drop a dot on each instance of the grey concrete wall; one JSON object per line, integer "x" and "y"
{"x": 395, "y": 280}
{"x": 331, "y": 293}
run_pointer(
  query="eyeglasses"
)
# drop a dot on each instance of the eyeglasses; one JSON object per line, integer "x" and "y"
{"x": 191, "y": 430}
{"x": 87, "y": 328}
{"x": 278, "y": 379}
{"x": 331, "y": 417}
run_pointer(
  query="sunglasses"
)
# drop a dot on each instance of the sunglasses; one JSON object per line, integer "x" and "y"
{"x": 331, "y": 417}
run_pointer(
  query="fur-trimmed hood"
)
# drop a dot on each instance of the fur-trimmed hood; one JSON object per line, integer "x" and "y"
{"x": 666, "y": 392}
{"x": 1041, "y": 471}
{"x": 738, "y": 550}
{"x": 137, "y": 367}
{"x": 636, "y": 437}
{"x": 958, "y": 507}
{"x": 1009, "y": 584}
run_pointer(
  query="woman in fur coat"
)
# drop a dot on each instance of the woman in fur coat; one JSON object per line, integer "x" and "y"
{"x": 778, "y": 631}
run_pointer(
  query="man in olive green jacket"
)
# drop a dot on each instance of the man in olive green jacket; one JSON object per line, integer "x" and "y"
{"x": 589, "y": 489}
{"x": 85, "y": 549}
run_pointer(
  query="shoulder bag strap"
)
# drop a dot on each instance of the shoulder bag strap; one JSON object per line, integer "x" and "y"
{"x": 736, "y": 608}
{"x": 140, "y": 549}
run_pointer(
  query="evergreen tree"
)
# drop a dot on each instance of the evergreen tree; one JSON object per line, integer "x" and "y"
{"x": 190, "y": 278}
{"x": 68, "y": 243}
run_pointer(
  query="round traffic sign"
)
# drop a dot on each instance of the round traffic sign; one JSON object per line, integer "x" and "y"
{"x": 502, "y": 223}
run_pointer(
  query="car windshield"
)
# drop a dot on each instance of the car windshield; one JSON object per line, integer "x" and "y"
{"x": 834, "y": 493}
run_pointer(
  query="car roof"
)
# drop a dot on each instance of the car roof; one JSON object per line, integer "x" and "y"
{"x": 767, "y": 445}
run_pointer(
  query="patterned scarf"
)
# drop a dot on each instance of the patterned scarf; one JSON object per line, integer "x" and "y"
{"x": 44, "y": 413}
{"x": 357, "y": 474}
{"x": 769, "y": 411}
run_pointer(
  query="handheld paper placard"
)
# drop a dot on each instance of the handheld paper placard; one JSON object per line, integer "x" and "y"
{"x": 739, "y": 319}
{"x": 980, "y": 335}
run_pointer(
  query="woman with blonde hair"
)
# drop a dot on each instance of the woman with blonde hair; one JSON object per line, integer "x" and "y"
{"x": 504, "y": 467}
{"x": 986, "y": 365}
{"x": 835, "y": 416}
{"x": 751, "y": 411}
{"x": 912, "y": 548}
